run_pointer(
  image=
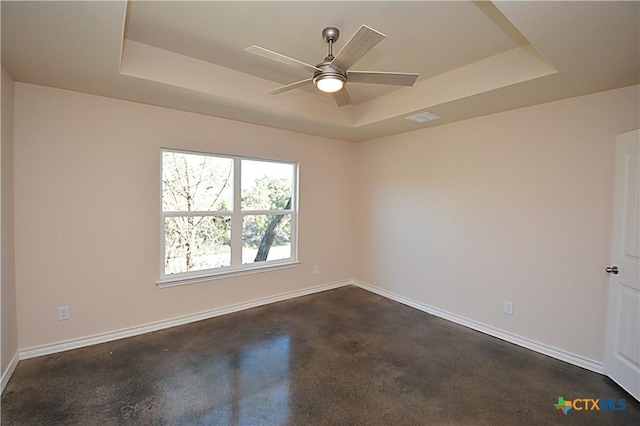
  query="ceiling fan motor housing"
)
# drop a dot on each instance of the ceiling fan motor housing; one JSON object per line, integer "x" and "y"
{"x": 327, "y": 71}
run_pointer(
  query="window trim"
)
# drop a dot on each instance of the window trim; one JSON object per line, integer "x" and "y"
{"x": 237, "y": 214}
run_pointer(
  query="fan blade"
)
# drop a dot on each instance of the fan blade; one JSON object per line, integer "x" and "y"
{"x": 342, "y": 97}
{"x": 395, "y": 78}
{"x": 275, "y": 56}
{"x": 359, "y": 45}
{"x": 295, "y": 85}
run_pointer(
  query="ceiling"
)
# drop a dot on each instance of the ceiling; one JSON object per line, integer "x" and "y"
{"x": 474, "y": 58}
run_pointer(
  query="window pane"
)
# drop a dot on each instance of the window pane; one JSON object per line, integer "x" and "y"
{"x": 193, "y": 182}
{"x": 266, "y": 185}
{"x": 266, "y": 237}
{"x": 194, "y": 243}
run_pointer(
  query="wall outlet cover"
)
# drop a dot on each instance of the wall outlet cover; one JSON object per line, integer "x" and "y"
{"x": 63, "y": 313}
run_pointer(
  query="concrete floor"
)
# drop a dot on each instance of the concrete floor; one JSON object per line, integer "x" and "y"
{"x": 340, "y": 357}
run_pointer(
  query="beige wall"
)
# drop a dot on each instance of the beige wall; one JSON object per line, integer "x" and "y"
{"x": 87, "y": 220}
{"x": 9, "y": 341}
{"x": 513, "y": 206}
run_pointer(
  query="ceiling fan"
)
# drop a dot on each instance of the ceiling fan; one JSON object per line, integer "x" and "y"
{"x": 332, "y": 74}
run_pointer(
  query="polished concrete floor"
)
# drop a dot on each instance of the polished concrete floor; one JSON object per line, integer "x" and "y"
{"x": 341, "y": 357}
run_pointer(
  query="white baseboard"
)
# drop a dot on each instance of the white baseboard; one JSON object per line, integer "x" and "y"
{"x": 47, "y": 349}
{"x": 6, "y": 375}
{"x": 160, "y": 325}
{"x": 556, "y": 353}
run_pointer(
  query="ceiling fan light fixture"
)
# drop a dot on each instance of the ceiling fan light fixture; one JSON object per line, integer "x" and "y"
{"x": 329, "y": 83}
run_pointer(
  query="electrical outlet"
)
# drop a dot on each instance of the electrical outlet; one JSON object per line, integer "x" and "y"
{"x": 507, "y": 307}
{"x": 63, "y": 313}
{"x": 316, "y": 270}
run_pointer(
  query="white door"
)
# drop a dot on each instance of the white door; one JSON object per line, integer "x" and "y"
{"x": 622, "y": 349}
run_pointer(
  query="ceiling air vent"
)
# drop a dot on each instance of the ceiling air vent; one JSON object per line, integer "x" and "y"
{"x": 423, "y": 116}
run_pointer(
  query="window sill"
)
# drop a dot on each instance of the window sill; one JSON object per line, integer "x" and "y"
{"x": 192, "y": 279}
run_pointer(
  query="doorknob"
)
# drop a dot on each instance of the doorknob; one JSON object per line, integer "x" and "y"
{"x": 612, "y": 269}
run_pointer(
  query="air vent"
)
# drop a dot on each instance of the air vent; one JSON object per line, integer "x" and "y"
{"x": 423, "y": 116}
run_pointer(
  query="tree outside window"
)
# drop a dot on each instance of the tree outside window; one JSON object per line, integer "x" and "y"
{"x": 223, "y": 214}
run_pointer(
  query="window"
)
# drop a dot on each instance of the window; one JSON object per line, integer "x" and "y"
{"x": 224, "y": 214}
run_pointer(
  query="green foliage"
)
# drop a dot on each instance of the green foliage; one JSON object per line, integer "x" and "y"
{"x": 267, "y": 194}
{"x": 254, "y": 227}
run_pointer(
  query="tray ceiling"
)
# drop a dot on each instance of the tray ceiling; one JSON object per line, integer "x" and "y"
{"x": 474, "y": 58}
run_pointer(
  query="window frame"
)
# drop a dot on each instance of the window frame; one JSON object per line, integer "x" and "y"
{"x": 237, "y": 214}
